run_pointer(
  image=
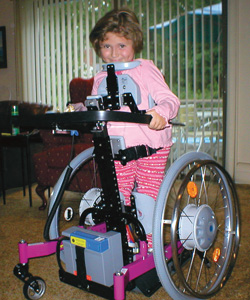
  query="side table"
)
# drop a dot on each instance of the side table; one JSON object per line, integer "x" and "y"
{"x": 21, "y": 141}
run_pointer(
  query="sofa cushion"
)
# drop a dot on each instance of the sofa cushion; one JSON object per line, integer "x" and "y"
{"x": 49, "y": 166}
{"x": 51, "y": 140}
{"x": 59, "y": 157}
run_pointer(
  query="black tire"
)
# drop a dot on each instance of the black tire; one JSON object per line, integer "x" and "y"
{"x": 34, "y": 288}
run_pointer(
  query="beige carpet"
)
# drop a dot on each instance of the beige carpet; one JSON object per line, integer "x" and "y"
{"x": 19, "y": 221}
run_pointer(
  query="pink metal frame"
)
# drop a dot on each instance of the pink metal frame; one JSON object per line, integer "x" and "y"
{"x": 143, "y": 263}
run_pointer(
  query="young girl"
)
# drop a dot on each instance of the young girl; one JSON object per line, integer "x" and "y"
{"x": 117, "y": 37}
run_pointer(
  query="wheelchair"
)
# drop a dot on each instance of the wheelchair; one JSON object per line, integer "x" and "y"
{"x": 195, "y": 220}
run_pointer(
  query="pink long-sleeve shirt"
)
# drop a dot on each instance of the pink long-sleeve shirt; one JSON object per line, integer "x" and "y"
{"x": 150, "y": 81}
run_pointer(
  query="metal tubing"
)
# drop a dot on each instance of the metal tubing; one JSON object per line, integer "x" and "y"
{"x": 27, "y": 251}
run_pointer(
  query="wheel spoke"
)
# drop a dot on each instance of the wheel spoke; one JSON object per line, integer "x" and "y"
{"x": 199, "y": 276}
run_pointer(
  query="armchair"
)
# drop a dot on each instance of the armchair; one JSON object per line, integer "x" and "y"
{"x": 50, "y": 163}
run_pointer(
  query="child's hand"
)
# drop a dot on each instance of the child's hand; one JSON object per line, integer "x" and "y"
{"x": 157, "y": 122}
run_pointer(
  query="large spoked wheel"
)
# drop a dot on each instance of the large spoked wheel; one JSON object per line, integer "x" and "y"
{"x": 197, "y": 214}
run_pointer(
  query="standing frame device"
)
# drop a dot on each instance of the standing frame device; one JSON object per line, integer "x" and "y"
{"x": 195, "y": 219}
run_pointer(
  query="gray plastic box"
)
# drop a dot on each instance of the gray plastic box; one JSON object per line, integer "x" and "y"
{"x": 100, "y": 264}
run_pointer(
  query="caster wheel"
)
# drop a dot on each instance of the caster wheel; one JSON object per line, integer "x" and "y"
{"x": 34, "y": 288}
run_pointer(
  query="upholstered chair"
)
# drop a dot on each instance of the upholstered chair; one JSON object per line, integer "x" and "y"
{"x": 50, "y": 163}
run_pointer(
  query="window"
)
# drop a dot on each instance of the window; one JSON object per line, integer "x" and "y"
{"x": 184, "y": 39}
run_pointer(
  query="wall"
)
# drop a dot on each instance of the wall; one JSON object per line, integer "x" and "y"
{"x": 8, "y": 75}
{"x": 238, "y": 117}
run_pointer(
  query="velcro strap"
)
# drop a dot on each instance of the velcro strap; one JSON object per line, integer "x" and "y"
{"x": 134, "y": 153}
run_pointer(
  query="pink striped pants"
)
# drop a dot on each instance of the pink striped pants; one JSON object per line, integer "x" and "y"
{"x": 146, "y": 172}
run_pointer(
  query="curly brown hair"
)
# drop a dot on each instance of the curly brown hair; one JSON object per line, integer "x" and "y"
{"x": 121, "y": 21}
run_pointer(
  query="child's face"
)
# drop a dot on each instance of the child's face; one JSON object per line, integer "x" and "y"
{"x": 116, "y": 48}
